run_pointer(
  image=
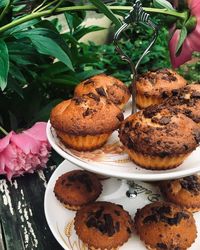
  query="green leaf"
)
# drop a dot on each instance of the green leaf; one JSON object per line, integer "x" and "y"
{"x": 3, "y": 3}
{"x": 81, "y": 31}
{"x": 181, "y": 40}
{"x": 20, "y": 27}
{"x": 48, "y": 42}
{"x": 15, "y": 86}
{"x": 4, "y": 64}
{"x": 104, "y": 9}
{"x": 164, "y": 4}
{"x": 15, "y": 72}
{"x": 73, "y": 21}
{"x": 44, "y": 113}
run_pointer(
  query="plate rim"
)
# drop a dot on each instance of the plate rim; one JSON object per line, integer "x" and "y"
{"x": 129, "y": 176}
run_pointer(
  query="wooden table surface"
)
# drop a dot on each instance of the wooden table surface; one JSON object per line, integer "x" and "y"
{"x": 22, "y": 219}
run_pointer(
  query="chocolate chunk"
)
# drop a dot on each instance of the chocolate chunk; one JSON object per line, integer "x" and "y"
{"x": 195, "y": 94}
{"x": 165, "y": 94}
{"x": 120, "y": 117}
{"x": 162, "y": 121}
{"x": 93, "y": 96}
{"x": 101, "y": 91}
{"x": 99, "y": 212}
{"x": 160, "y": 214}
{"x": 191, "y": 183}
{"x": 89, "y": 81}
{"x": 169, "y": 78}
{"x": 109, "y": 224}
{"x": 78, "y": 100}
{"x": 88, "y": 111}
{"x": 197, "y": 135}
{"x": 117, "y": 212}
{"x": 150, "y": 218}
{"x": 117, "y": 226}
{"x": 92, "y": 222}
{"x": 161, "y": 246}
{"x": 175, "y": 92}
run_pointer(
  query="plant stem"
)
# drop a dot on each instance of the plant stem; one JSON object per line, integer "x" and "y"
{"x": 44, "y": 13}
{"x": 3, "y": 131}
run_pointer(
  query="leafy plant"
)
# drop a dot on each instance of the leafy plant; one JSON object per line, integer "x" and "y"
{"x": 40, "y": 65}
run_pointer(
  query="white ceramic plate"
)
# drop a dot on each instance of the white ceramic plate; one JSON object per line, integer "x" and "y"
{"x": 60, "y": 219}
{"x": 111, "y": 160}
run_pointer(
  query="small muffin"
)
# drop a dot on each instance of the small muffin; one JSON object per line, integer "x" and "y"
{"x": 85, "y": 123}
{"x": 103, "y": 225}
{"x": 187, "y": 101}
{"x": 77, "y": 188}
{"x": 104, "y": 85}
{"x": 155, "y": 86}
{"x": 184, "y": 192}
{"x": 159, "y": 138}
{"x": 166, "y": 226}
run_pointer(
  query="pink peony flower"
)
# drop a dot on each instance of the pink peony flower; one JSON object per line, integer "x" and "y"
{"x": 192, "y": 41}
{"x": 24, "y": 152}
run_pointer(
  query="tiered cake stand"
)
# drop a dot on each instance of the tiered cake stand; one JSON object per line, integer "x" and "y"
{"x": 128, "y": 184}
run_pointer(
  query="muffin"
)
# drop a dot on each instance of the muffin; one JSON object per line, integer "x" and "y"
{"x": 85, "y": 123}
{"x": 104, "y": 85}
{"x": 155, "y": 86}
{"x": 103, "y": 225}
{"x": 184, "y": 192}
{"x": 187, "y": 101}
{"x": 166, "y": 226}
{"x": 77, "y": 188}
{"x": 158, "y": 137}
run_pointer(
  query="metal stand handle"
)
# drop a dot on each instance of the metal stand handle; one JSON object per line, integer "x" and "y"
{"x": 136, "y": 15}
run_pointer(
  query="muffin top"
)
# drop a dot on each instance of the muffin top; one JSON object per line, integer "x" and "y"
{"x": 89, "y": 114}
{"x": 184, "y": 192}
{"x": 77, "y": 187}
{"x": 159, "y": 131}
{"x": 163, "y": 225}
{"x": 187, "y": 101}
{"x": 159, "y": 83}
{"x": 104, "y": 85}
{"x": 103, "y": 225}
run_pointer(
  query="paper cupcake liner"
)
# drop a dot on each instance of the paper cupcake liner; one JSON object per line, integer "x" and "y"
{"x": 156, "y": 162}
{"x": 83, "y": 143}
{"x": 144, "y": 102}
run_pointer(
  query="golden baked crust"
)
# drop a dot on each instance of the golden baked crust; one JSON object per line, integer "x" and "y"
{"x": 158, "y": 131}
{"x": 86, "y": 115}
{"x": 77, "y": 188}
{"x": 103, "y": 225}
{"x": 184, "y": 192}
{"x": 104, "y": 85}
{"x": 159, "y": 83}
{"x": 163, "y": 225}
{"x": 187, "y": 101}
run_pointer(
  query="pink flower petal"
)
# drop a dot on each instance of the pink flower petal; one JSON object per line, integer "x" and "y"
{"x": 26, "y": 143}
{"x": 38, "y": 131}
{"x": 5, "y": 141}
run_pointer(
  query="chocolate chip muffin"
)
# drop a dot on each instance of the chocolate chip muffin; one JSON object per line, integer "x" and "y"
{"x": 155, "y": 86}
{"x": 85, "y": 122}
{"x": 184, "y": 192}
{"x": 165, "y": 226}
{"x": 158, "y": 137}
{"x": 77, "y": 188}
{"x": 187, "y": 101}
{"x": 104, "y": 85}
{"x": 103, "y": 225}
